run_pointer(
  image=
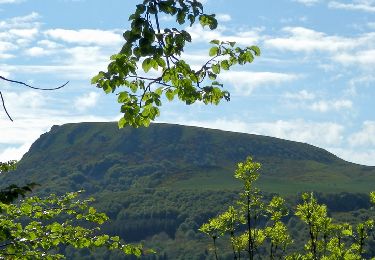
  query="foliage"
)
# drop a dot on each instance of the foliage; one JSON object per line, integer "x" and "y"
{"x": 36, "y": 228}
{"x": 161, "y": 199}
{"x": 160, "y": 49}
{"x": 7, "y": 166}
{"x": 327, "y": 239}
{"x": 12, "y": 192}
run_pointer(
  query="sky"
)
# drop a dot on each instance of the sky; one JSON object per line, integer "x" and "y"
{"x": 314, "y": 82}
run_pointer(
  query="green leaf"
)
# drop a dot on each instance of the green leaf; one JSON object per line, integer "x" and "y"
{"x": 159, "y": 91}
{"x": 214, "y": 51}
{"x": 122, "y": 122}
{"x": 224, "y": 65}
{"x": 215, "y": 42}
{"x": 161, "y": 62}
{"x": 209, "y": 20}
{"x": 191, "y": 19}
{"x": 211, "y": 75}
{"x": 169, "y": 94}
{"x": 216, "y": 68}
{"x": 256, "y": 50}
{"x": 96, "y": 78}
{"x": 146, "y": 64}
{"x": 181, "y": 14}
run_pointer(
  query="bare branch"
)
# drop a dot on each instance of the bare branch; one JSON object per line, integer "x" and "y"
{"x": 27, "y": 85}
{"x": 5, "y": 109}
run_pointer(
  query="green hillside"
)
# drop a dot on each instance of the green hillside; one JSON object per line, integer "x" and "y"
{"x": 159, "y": 184}
{"x": 183, "y": 158}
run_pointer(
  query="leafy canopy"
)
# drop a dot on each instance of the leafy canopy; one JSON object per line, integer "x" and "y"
{"x": 35, "y": 228}
{"x": 12, "y": 192}
{"x": 150, "y": 46}
{"x": 255, "y": 226}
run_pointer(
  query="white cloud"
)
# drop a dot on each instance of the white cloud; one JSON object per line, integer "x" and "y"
{"x": 245, "y": 37}
{"x": 329, "y": 105}
{"x": 300, "y": 96}
{"x": 4, "y": 73}
{"x": 221, "y": 124}
{"x": 364, "y": 157}
{"x": 14, "y": 152}
{"x": 307, "y": 40}
{"x": 18, "y": 135}
{"x": 364, "y": 137}
{"x": 62, "y": 72}
{"x": 245, "y": 82}
{"x": 37, "y": 52}
{"x": 364, "y": 58}
{"x": 86, "y": 36}
{"x": 317, "y": 133}
{"x": 6, "y": 46}
{"x": 10, "y": 1}
{"x": 359, "y": 82}
{"x": 223, "y": 17}
{"x": 359, "y": 5}
{"x": 82, "y": 62}
{"x": 29, "y": 99}
{"x": 27, "y": 21}
{"x": 85, "y": 55}
{"x": 86, "y": 101}
{"x": 28, "y": 33}
{"x": 16, "y": 33}
{"x": 307, "y": 2}
{"x": 323, "y": 134}
{"x": 48, "y": 44}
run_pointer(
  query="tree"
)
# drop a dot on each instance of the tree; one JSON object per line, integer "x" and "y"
{"x": 13, "y": 192}
{"x": 150, "y": 45}
{"x": 35, "y": 228}
{"x": 326, "y": 238}
{"x": 26, "y": 228}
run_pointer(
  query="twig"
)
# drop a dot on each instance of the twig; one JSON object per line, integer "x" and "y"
{"x": 5, "y": 109}
{"x": 24, "y": 84}
{"x": 27, "y": 85}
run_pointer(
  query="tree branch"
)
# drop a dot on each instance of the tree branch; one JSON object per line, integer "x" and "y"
{"x": 5, "y": 109}
{"x": 27, "y": 85}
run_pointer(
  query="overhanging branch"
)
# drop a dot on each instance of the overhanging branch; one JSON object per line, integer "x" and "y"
{"x": 26, "y": 85}
{"x": 5, "y": 109}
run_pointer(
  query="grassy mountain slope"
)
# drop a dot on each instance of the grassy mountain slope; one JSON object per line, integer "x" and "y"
{"x": 183, "y": 158}
{"x": 159, "y": 184}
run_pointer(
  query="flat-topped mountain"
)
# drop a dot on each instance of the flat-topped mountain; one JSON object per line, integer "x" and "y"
{"x": 87, "y": 155}
{"x": 159, "y": 184}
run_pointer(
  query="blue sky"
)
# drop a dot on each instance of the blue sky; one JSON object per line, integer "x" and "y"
{"x": 314, "y": 82}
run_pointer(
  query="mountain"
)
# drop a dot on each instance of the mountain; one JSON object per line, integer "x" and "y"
{"x": 181, "y": 157}
{"x": 159, "y": 184}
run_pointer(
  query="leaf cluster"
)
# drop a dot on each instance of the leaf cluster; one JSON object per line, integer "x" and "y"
{"x": 152, "y": 47}
{"x": 326, "y": 238}
{"x": 36, "y": 228}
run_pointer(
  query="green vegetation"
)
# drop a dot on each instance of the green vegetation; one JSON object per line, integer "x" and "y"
{"x": 257, "y": 229}
{"x": 159, "y": 184}
{"x": 159, "y": 48}
{"x": 36, "y": 228}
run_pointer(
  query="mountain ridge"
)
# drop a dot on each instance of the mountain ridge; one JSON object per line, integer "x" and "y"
{"x": 159, "y": 184}
{"x": 184, "y": 155}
